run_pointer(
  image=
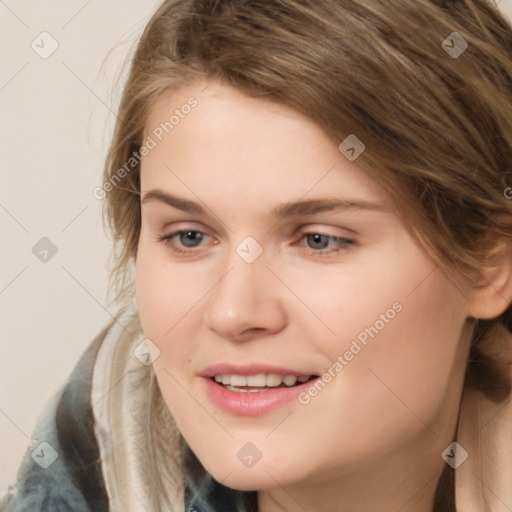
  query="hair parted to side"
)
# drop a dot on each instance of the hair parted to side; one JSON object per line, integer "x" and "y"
{"x": 437, "y": 129}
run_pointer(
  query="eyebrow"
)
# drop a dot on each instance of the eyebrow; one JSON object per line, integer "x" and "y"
{"x": 313, "y": 206}
{"x": 185, "y": 205}
{"x": 293, "y": 208}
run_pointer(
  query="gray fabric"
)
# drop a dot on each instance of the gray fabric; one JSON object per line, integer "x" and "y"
{"x": 73, "y": 481}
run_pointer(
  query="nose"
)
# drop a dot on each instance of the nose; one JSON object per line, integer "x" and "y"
{"x": 246, "y": 303}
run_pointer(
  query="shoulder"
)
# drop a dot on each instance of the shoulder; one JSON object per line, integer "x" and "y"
{"x": 61, "y": 470}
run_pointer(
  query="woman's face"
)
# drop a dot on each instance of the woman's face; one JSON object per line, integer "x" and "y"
{"x": 266, "y": 258}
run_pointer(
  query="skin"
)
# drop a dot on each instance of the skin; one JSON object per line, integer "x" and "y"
{"x": 372, "y": 438}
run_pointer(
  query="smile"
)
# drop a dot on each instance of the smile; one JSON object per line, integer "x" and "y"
{"x": 253, "y": 391}
{"x": 259, "y": 382}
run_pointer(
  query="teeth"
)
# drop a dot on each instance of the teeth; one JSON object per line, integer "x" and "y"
{"x": 273, "y": 380}
{"x": 260, "y": 380}
{"x": 256, "y": 381}
{"x": 289, "y": 380}
{"x": 238, "y": 380}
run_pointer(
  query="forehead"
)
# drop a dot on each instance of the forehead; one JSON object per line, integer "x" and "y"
{"x": 243, "y": 146}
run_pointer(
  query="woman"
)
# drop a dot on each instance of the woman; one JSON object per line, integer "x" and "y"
{"x": 314, "y": 198}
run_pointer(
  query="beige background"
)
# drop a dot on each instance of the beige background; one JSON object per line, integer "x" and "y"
{"x": 55, "y": 123}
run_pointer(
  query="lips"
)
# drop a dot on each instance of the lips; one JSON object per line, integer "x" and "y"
{"x": 254, "y": 389}
{"x": 252, "y": 369}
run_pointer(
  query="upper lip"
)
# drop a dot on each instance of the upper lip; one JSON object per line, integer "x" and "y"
{"x": 250, "y": 369}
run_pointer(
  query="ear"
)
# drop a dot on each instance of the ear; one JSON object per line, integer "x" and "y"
{"x": 492, "y": 290}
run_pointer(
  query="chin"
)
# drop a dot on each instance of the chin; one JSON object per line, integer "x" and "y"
{"x": 262, "y": 475}
{"x": 247, "y": 481}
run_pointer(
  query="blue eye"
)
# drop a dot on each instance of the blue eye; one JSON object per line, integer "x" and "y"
{"x": 184, "y": 241}
{"x": 190, "y": 238}
{"x": 317, "y": 241}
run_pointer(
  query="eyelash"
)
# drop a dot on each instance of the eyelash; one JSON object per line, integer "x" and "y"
{"x": 347, "y": 244}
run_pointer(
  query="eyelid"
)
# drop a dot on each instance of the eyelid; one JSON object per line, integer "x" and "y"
{"x": 342, "y": 243}
{"x": 164, "y": 219}
{"x": 172, "y": 228}
{"x": 328, "y": 230}
{"x": 175, "y": 232}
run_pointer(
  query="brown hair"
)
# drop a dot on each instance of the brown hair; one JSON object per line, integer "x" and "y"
{"x": 437, "y": 126}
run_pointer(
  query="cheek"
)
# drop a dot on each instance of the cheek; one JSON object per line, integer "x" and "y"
{"x": 169, "y": 300}
{"x": 154, "y": 296}
{"x": 409, "y": 368}
{"x": 423, "y": 352}
{"x": 400, "y": 334}
{"x": 165, "y": 305}
{"x": 164, "y": 294}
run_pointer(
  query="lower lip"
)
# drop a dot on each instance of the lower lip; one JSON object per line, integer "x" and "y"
{"x": 252, "y": 404}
